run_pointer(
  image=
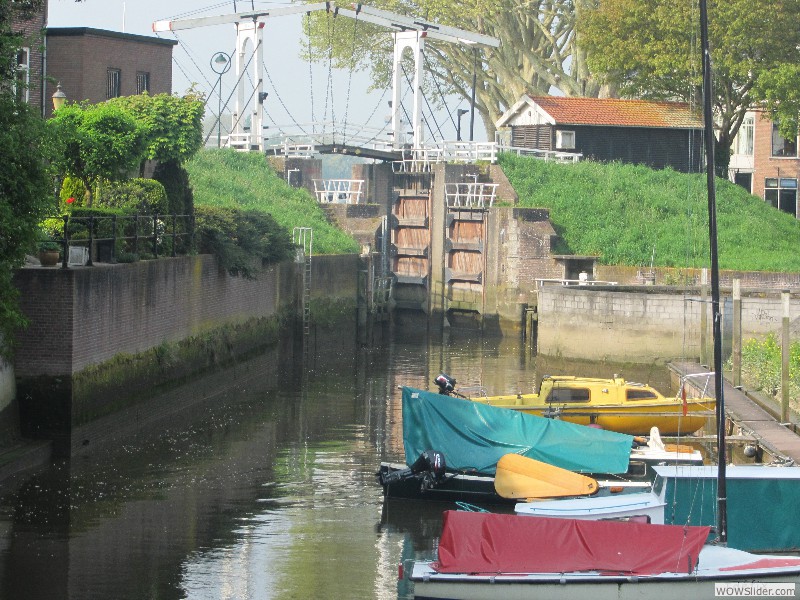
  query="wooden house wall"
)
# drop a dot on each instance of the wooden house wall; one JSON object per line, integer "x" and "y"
{"x": 679, "y": 149}
{"x": 532, "y": 136}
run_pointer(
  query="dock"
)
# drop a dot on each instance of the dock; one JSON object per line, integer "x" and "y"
{"x": 756, "y": 419}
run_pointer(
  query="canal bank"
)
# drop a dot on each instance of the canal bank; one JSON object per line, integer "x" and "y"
{"x": 101, "y": 338}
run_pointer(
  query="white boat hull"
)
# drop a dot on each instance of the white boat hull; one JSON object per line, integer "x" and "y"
{"x": 717, "y": 565}
{"x": 646, "y": 504}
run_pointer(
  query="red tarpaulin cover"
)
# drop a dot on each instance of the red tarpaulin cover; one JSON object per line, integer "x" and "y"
{"x": 474, "y": 542}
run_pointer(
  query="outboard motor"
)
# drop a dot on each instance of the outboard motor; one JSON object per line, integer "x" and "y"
{"x": 446, "y": 384}
{"x": 429, "y": 469}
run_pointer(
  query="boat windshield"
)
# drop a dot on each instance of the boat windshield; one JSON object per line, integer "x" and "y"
{"x": 640, "y": 395}
{"x": 568, "y": 394}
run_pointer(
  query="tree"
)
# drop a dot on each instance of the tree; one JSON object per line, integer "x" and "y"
{"x": 95, "y": 142}
{"x": 26, "y": 194}
{"x": 172, "y": 125}
{"x": 651, "y": 49}
{"x": 539, "y": 50}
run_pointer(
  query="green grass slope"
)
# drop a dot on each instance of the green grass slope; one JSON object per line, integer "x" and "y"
{"x": 245, "y": 180}
{"x": 622, "y": 212}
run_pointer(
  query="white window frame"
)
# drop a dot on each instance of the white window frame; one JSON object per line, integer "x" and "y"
{"x": 565, "y": 140}
{"x": 746, "y": 136}
{"x": 23, "y": 74}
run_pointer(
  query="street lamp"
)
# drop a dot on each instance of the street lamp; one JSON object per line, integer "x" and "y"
{"x": 460, "y": 113}
{"x": 59, "y": 98}
{"x": 220, "y": 64}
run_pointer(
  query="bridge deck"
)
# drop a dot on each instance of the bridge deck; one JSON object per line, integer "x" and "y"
{"x": 745, "y": 411}
{"x": 352, "y": 150}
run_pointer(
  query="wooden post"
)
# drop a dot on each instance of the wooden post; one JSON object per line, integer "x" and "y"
{"x": 704, "y": 318}
{"x": 785, "y": 296}
{"x": 737, "y": 332}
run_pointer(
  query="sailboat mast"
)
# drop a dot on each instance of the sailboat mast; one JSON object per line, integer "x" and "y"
{"x": 708, "y": 119}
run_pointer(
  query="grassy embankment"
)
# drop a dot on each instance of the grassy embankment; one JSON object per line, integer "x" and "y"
{"x": 242, "y": 179}
{"x": 621, "y": 212}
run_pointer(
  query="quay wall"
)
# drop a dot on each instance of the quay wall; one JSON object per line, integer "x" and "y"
{"x": 645, "y": 323}
{"x": 101, "y": 339}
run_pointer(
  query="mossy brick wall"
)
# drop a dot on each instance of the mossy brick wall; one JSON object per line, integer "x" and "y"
{"x": 85, "y": 316}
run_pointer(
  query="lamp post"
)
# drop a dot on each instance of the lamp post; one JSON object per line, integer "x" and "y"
{"x": 460, "y": 113}
{"x": 220, "y": 64}
{"x": 59, "y": 98}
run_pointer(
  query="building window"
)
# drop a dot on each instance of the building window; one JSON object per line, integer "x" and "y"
{"x": 781, "y": 146}
{"x": 781, "y": 193}
{"x": 142, "y": 82}
{"x": 744, "y": 139}
{"x": 113, "y": 83}
{"x": 565, "y": 140}
{"x": 23, "y": 74}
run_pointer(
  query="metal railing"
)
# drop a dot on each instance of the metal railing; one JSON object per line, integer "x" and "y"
{"x": 107, "y": 237}
{"x": 470, "y": 195}
{"x": 341, "y": 191}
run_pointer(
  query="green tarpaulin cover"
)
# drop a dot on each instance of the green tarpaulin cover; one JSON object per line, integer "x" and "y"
{"x": 472, "y": 435}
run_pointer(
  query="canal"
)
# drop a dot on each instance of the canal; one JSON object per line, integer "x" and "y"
{"x": 259, "y": 485}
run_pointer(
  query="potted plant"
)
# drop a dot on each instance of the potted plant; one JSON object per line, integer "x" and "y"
{"x": 49, "y": 250}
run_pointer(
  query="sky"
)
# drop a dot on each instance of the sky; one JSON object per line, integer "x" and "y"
{"x": 286, "y": 76}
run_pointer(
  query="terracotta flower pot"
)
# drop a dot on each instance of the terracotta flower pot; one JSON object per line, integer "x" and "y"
{"x": 49, "y": 258}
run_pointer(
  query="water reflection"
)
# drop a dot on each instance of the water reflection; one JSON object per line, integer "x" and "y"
{"x": 258, "y": 485}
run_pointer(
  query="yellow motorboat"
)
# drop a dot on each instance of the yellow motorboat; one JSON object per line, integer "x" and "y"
{"x": 613, "y": 404}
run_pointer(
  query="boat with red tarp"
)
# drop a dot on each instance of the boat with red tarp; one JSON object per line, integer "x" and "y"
{"x": 485, "y": 555}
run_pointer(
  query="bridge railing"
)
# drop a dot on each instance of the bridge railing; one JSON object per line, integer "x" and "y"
{"x": 340, "y": 191}
{"x": 470, "y": 195}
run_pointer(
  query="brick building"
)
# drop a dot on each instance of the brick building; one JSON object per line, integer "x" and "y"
{"x": 656, "y": 134}
{"x": 31, "y": 59}
{"x": 765, "y": 163}
{"x": 95, "y": 65}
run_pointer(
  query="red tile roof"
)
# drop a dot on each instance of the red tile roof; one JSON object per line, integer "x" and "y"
{"x": 620, "y": 113}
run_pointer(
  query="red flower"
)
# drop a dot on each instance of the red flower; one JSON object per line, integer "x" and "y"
{"x": 70, "y": 200}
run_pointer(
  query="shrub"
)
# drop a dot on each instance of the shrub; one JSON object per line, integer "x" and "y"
{"x": 142, "y": 196}
{"x": 72, "y": 187}
{"x": 237, "y": 236}
{"x": 175, "y": 180}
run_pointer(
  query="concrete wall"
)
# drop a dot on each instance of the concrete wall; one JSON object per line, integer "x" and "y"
{"x": 635, "y": 324}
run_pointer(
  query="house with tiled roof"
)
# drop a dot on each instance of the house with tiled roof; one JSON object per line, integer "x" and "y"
{"x": 765, "y": 163}
{"x": 657, "y": 134}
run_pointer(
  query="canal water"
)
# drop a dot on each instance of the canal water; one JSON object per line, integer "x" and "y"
{"x": 259, "y": 484}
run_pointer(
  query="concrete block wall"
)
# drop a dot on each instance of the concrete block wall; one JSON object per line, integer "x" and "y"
{"x": 618, "y": 325}
{"x": 631, "y": 324}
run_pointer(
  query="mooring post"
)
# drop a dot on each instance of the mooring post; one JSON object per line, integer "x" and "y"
{"x": 785, "y": 296}
{"x": 704, "y": 317}
{"x": 737, "y": 332}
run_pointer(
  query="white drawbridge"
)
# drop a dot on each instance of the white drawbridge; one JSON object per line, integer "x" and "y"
{"x": 408, "y": 33}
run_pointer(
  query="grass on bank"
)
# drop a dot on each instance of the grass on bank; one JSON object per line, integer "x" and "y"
{"x": 227, "y": 178}
{"x": 622, "y": 212}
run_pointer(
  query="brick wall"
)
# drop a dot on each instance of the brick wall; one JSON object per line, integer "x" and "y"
{"x": 766, "y": 165}
{"x": 34, "y": 41}
{"x": 84, "y": 316}
{"x": 79, "y": 57}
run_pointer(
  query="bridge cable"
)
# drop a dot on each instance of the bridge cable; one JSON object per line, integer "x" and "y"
{"x": 328, "y": 83}
{"x": 233, "y": 90}
{"x": 350, "y": 78}
{"x": 439, "y": 89}
{"x": 410, "y": 84}
{"x": 283, "y": 104}
{"x": 310, "y": 74}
